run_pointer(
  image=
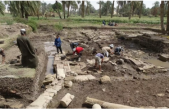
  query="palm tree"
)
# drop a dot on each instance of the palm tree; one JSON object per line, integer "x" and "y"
{"x": 112, "y": 9}
{"x": 120, "y": 5}
{"x": 88, "y": 7}
{"x": 82, "y": 9}
{"x": 100, "y": 7}
{"x": 162, "y": 16}
{"x": 74, "y": 5}
{"x": 131, "y": 8}
{"x": 68, "y": 7}
{"x": 23, "y": 8}
{"x": 64, "y": 3}
{"x": 2, "y": 7}
{"x": 141, "y": 7}
{"x": 57, "y": 9}
{"x": 167, "y": 30}
{"x": 79, "y": 3}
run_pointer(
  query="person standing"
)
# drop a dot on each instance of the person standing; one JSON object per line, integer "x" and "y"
{"x": 29, "y": 58}
{"x": 58, "y": 43}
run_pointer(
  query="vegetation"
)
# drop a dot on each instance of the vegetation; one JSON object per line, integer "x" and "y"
{"x": 80, "y": 12}
{"x": 2, "y": 8}
{"x": 31, "y": 23}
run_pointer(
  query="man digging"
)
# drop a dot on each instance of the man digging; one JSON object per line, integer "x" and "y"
{"x": 29, "y": 58}
{"x": 108, "y": 50}
{"x": 78, "y": 51}
{"x": 98, "y": 59}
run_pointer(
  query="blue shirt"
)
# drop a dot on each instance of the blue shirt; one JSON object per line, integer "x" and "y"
{"x": 58, "y": 42}
{"x": 100, "y": 55}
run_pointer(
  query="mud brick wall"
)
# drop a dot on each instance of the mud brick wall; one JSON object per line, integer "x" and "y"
{"x": 155, "y": 44}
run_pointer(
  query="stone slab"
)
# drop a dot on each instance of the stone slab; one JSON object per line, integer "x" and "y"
{"x": 60, "y": 73}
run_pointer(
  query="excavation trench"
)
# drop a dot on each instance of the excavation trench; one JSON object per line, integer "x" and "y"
{"x": 128, "y": 86}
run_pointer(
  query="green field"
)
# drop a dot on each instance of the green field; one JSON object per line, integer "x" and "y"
{"x": 76, "y": 21}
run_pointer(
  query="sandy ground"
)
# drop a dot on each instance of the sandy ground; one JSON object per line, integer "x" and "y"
{"x": 128, "y": 85}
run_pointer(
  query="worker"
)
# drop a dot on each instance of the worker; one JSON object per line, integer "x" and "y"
{"x": 3, "y": 55}
{"x": 58, "y": 43}
{"x": 73, "y": 45}
{"x": 118, "y": 50}
{"x": 98, "y": 59}
{"x": 78, "y": 51}
{"x": 29, "y": 58}
{"x": 108, "y": 50}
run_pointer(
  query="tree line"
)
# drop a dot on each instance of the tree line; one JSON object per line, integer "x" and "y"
{"x": 64, "y": 9}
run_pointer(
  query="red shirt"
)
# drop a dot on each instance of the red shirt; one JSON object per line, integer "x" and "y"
{"x": 78, "y": 50}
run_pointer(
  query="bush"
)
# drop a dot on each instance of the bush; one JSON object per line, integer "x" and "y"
{"x": 21, "y": 20}
{"x": 9, "y": 22}
{"x": 31, "y": 23}
{"x": 58, "y": 26}
{"x": 33, "y": 26}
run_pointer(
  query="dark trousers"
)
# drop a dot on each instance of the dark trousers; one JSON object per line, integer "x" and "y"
{"x": 59, "y": 48}
{"x": 80, "y": 54}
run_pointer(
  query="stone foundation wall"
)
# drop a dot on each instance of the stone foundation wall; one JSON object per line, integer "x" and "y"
{"x": 159, "y": 45}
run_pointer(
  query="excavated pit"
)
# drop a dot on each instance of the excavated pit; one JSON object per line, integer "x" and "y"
{"x": 129, "y": 85}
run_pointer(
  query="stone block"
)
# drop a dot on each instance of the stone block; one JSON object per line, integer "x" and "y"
{"x": 51, "y": 90}
{"x": 55, "y": 82}
{"x": 66, "y": 100}
{"x": 105, "y": 79}
{"x": 96, "y": 106}
{"x": 164, "y": 57}
{"x": 84, "y": 78}
{"x": 69, "y": 78}
{"x": 49, "y": 78}
{"x": 59, "y": 66}
{"x": 91, "y": 61}
{"x": 68, "y": 84}
{"x": 60, "y": 74}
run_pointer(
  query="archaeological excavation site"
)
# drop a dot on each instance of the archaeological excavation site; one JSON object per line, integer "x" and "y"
{"x": 138, "y": 79}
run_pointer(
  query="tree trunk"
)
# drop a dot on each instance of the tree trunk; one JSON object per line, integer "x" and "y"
{"x": 82, "y": 9}
{"x": 133, "y": 11}
{"x": 131, "y": 6}
{"x": 26, "y": 16}
{"x": 118, "y": 9}
{"x": 162, "y": 16}
{"x": 112, "y": 9}
{"x": 141, "y": 9}
{"x": 58, "y": 10}
{"x": 68, "y": 8}
{"x": 22, "y": 12}
{"x": 107, "y": 8}
{"x": 59, "y": 14}
{"x": 63, "y": 9}
{"x": 167, "y": 19}
{"x": 100, "y": 9}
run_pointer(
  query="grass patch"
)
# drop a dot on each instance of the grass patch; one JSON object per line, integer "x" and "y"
{"x": 58, "y": 26}
{"x": 31, "y": 23}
